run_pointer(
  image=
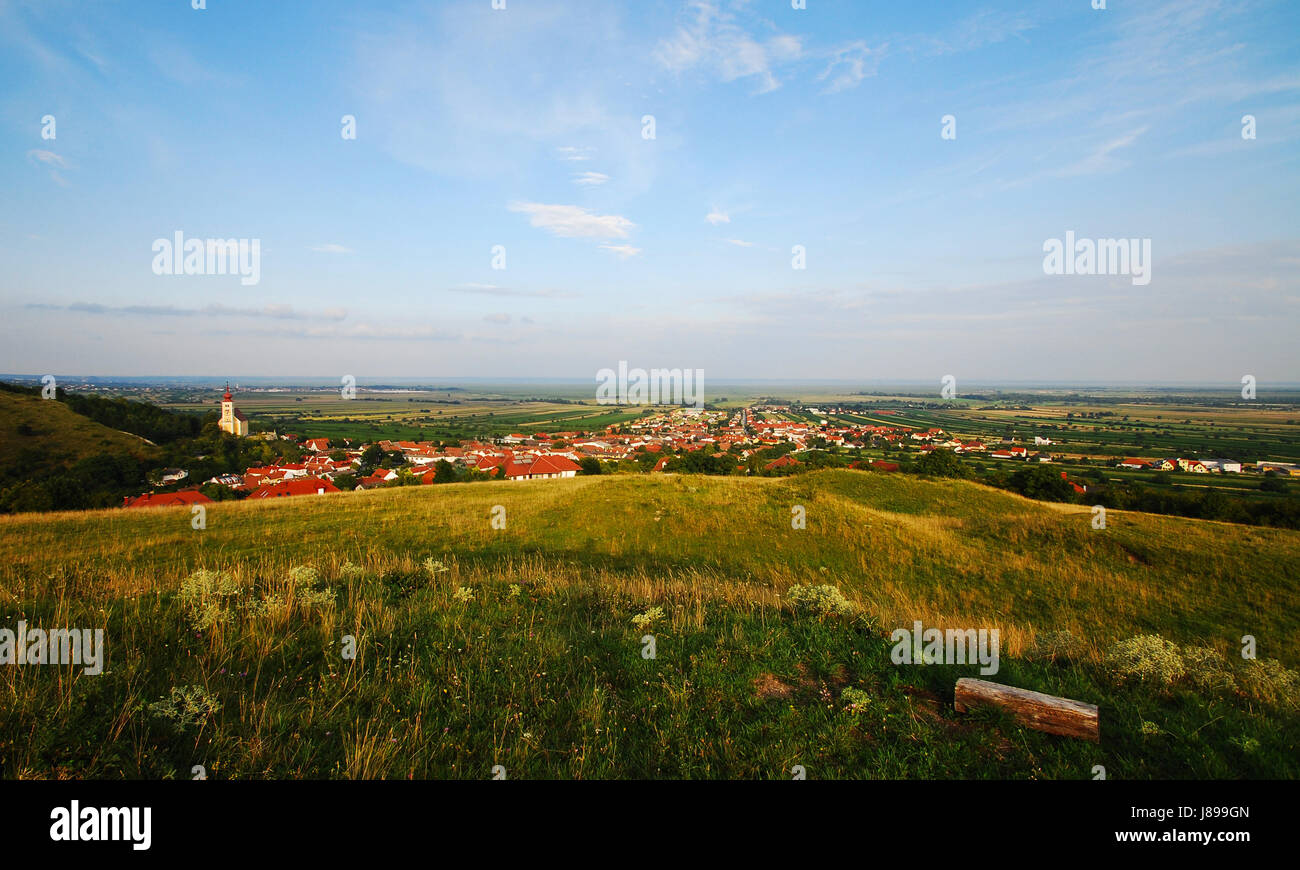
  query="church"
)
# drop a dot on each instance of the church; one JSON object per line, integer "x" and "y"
{"x": 232, "y": 420}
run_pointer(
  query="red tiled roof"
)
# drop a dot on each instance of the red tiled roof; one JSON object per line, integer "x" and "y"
{"x": 298, "y": 486}
{"x": 166, "y": 499}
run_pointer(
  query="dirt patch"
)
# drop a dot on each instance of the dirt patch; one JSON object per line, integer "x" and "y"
{"x": 768, "y": 687}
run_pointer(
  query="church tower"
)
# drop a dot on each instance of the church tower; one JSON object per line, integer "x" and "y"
{"x": 232, "y": 420}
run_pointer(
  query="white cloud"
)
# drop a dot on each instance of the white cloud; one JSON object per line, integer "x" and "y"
{"x": 331, "y": 249}
{"x": 499, "y": 317}
{"x": 49, "y": 158}
{"x": 739, "y": 243}
{"x": 713, "y": 39}
{"x": 574, "y": 153}
{"x": 718, "y": 216}
{"x": 274, "y": 312}
{"x": 623, "y": 251}
{"x": 587, "y": 179}
{"x": 850, "y": 65}
{"x": 571, "y": 221}
{"x": 1100, "y": 160}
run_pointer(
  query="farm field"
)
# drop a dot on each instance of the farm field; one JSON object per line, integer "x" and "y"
{"x": 416, "y": 415}
{"x": 523, "y": 646}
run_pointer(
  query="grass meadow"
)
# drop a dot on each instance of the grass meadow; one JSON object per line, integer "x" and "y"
{"x": 524, "y": 647}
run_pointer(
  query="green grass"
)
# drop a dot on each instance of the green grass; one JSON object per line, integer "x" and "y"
{"x": 34, "y": 427}
{"x": 541, "y": 671}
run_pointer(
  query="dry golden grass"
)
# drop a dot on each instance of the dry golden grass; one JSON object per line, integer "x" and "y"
{"x": 949, "y": 552}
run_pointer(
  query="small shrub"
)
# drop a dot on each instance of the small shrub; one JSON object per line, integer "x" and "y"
{"x": 1269, "y": 681}
{"x": 303, "y": 577}
{"x": 434, "y": 567}
{"x": 204, "y": 595}
{"x": 820, "y": 601}
{"x": 1207, "y": 670}
{"x": 857, "y": 701}
{"x": 203, "y": 585}
{"x": 643, "y": 621}
{"x": 349, "y": 571}
{"x": 315, "y": 597}
{"x": 463, "y": 594}
{"x": 185, "y": 707}
{"x": 267, "y": 605}
{"x": 1148, "y": 658}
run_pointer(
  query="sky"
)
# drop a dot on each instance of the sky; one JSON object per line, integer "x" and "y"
{"x": 913, "y": 158}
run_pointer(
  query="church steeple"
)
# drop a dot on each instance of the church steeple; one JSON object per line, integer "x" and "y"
{"x": 231, "y": 420}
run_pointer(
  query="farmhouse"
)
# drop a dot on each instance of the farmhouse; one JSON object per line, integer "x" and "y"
{"x": 786, "y": 461}
{"x": 300, "y": 486}
{"x": 1287, "y": 468}
{"x": 166, "y": 499}
{"x": 542, "y": 467}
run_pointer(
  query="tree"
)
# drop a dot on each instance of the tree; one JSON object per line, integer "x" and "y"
{"x": 941, "y": 463}
{"x": 1041, "y": 483}
{"x": 589, "y": 465}
{"x": 1272, "y": 483}
{"x": 372, "y": 456}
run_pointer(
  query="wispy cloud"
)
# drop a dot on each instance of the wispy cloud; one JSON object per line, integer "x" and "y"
{"x": 574, "y": 222}
{"x": 717, "y": 216}
{"x": 275, "y": 312}
{"x": 49, "y": 158}
{"x": 623, "y": 251}
{"x": 739, "y": 243}
{"x": 51, "y": 161}
{"x": 1101, "y": 159}
{"x": 983, "y": 28}
{"x": 588, "y": 179}
{"x": 849, "y": 65}
{"x": 331, "y": 249}
{"x": 711, "y": 38}
{"x": 494, "y": 290}
{"x": 575, "y": 153}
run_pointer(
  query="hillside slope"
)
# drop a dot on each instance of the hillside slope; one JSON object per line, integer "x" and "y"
{"x": 33, "y": 427}
{"x": 907, "y": 548}
{"x": 52, "y": 457}
{"x": 526, "y": 646}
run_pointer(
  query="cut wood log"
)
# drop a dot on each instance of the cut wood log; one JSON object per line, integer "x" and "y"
{"x": 1031, "y": 709}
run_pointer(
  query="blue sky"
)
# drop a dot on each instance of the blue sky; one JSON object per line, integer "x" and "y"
{"x": 774, "y": 127}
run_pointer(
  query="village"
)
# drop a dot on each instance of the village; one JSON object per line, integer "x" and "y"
{"x": 652, "y": 440}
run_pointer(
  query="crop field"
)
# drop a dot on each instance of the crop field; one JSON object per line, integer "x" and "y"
{"x": 412, "y": 415}
{"x": 526, "y": 646}
{"x": 1124, "y": 431}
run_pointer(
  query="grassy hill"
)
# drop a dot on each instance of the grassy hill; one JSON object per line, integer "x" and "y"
{"x": 52, "y": 457}
{"x": 478, "y": 646}
{"x": 31, "y": 426}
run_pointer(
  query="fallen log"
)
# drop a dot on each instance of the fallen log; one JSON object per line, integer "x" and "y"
{"x": 1031, "y": 709}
